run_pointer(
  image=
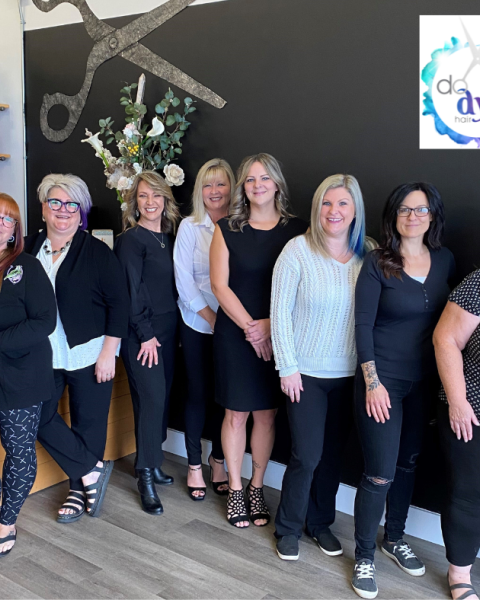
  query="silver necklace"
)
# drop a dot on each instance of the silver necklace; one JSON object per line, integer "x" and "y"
{"x": 56, "y": 252}
{"x": 160, "y": 242}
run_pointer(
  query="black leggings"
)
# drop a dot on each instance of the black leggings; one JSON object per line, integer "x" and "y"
{"x": 320, "y": 424}
{"x": 18, "y": 433}
{"x": 198, "y": 354}
{"x": 461, "y": 513}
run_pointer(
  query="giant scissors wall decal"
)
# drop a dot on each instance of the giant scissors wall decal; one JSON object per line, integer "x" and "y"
{"x": 110, "y": 42}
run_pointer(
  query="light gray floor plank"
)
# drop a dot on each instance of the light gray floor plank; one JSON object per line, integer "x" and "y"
{"x": 190, "y": 552}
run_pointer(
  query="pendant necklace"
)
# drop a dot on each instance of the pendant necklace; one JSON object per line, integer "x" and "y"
{"x": 160, "y": 242}
{"x": 56, "y": 252}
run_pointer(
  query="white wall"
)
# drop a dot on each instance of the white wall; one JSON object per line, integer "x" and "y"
{"x": 12, "y": 171}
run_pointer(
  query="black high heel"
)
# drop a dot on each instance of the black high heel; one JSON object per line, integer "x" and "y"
{"x": 257, "y": 507}
{"x": 236, "y": 509}
{"x": 217, "y": 484}
{"x": 196, "y": 489}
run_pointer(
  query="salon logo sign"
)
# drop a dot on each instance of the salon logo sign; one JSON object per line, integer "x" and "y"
{"x": 450, "y": 82}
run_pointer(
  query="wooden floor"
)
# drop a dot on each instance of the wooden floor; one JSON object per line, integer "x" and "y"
{"x": 189, "y": 552}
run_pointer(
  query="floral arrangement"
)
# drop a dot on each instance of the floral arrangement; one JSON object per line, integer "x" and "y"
{"x": 142, "y": 147}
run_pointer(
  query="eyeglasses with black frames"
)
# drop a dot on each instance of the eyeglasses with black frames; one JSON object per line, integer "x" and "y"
{"x": 55, "y": 204}
{"x": 420, "y": 211}
{"x": 8, "y": 222}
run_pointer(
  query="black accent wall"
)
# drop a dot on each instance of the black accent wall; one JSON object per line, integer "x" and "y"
{"x": 326, "y": 87}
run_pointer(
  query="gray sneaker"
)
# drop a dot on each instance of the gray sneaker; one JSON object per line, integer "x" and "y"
{"x": 287, "y": 547}
{"x": 363, "y": 580}
{"x": 404, "y": 556}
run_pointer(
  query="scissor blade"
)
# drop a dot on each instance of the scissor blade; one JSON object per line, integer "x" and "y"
{"x": 473, "y": 49}
{"x": 138, "y": 29}
{"x": 146, "y": 59}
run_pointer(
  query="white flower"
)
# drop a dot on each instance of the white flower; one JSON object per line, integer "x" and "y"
{"x": 138, "y": 168}
{"x": 174, "y": 175}
{"x": 124, "y": 183}
{"x": 88, "y": 133}
{"x": 157, "y": 128}
{"x": 95, "y": 143}
{"x": 123, "y": 206}
{"x": 130, "y": 130}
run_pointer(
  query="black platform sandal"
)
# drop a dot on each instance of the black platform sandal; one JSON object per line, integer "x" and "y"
{"x": 96, "y": 491}
{"x": 12, "y": 537}
{"x": 457, "y": 586}
{"x": 236, "y": 509}
{"x": 196, "y": 489}
{"x": 74, "y": 501}
{"x": 257, "y": 506}
{"x": 217, "y": 484}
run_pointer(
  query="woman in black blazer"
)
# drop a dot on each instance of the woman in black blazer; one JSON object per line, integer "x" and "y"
{"x": 27, "y": 317}
{"x": 92, "y": 318}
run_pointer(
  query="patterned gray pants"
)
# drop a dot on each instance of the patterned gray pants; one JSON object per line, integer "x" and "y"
{"x": 18, "y": 434}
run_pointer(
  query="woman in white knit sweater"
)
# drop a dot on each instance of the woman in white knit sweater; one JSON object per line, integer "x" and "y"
{"x": 312, "y": 319}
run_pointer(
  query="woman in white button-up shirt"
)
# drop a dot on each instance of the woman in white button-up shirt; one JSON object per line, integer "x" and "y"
{"x": 198, "y": 306}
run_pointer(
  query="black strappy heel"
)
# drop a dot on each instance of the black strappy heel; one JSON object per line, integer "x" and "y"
{"x": 196, "y": 489}
{"x": 217, "y": 484}
{"x": 96, "y": 491}
{"x": 236, "y": 509}
{"x": 257, "y": 506}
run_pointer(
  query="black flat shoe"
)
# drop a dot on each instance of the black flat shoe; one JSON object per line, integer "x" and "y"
{"x": 9, "y": 538}
{"x": 148, "y": 494}
{"x": 217, "y": 484}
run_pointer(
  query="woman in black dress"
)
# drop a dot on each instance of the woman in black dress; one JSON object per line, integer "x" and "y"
{"x": 244, "y": 249}
{"x": 27, "y": 318}
{"x": 145, "y": 251}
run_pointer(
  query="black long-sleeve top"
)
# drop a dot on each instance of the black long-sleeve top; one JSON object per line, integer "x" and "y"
{"x": 90, "y": 289}
{"x": 150, "y": 279}
{"x": 28, "y": 315}
{"x": 395, "y": 319}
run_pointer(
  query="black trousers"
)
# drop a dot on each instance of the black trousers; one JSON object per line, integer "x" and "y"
{"x": 77, "y": 448}
{"x": 461, "y": 513}
{"x": 150, "y": 391}
{"x": 320, "y": 424}
{"x": 390, "y": 452}
{"x": 18, "y": 433}
{"x": 198, "y": 355}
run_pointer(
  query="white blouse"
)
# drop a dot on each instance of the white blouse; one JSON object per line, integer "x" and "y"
{"x": 192, "y": 271}
{"x": 64, "y": 357}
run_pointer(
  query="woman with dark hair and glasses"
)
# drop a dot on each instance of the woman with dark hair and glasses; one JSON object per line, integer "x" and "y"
{"x": 92, "y": 318}
{"x": 401, "y": 291}
{"x": 27, "y": 317}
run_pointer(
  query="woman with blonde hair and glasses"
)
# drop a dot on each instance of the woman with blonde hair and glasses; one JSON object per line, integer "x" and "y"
{"x": 244, "y": 249}
{"x": 198, "y": 306}
{"x": 27, "y": 318}
{"x": 313, "y": 335}
{"x": 145, "y": 251}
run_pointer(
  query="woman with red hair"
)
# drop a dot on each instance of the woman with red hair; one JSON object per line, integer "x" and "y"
{"x": 27, "y": 317}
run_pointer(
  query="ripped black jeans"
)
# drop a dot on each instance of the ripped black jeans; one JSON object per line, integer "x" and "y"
{"x": 390, "y": 452}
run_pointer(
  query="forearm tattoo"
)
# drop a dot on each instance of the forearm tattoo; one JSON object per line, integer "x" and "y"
{"x": 370, "y": 375}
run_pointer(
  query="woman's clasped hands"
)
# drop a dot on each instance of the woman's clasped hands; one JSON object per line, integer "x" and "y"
{"x": 258, "y": 334}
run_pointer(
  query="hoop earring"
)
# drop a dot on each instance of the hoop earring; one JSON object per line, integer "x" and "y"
{"x": 43, "y": 219}
{"x": 12, "y": 239}
{"x": 81, "y": 224}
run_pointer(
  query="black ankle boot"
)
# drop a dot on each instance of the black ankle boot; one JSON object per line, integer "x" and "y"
{"x": 162, "y": 478}
{"x": 148, "y": 494}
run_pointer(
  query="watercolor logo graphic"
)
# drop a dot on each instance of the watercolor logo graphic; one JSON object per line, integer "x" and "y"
{"x": 453, "y": 80}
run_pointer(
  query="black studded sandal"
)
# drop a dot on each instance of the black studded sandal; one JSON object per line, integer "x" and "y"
{"x": 236, "y": 509}
{"x": 257, "y": 506}
{"x": 74, "y": 501}
{"x": 96, "y": 491}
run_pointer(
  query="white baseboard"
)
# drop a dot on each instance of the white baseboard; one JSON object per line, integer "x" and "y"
{"x": 421, "y": 523}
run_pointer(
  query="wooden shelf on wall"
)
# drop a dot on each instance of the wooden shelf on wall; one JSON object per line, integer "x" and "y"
{"x": 4, "y": 156}
{"x": 4, "y": 106}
